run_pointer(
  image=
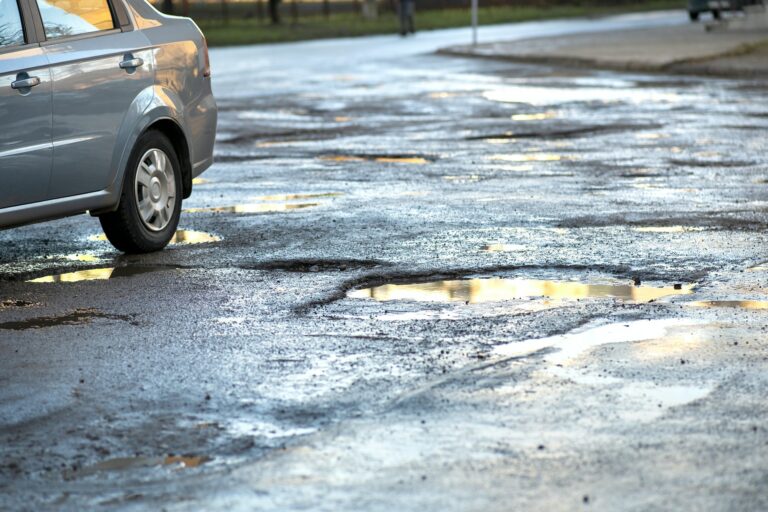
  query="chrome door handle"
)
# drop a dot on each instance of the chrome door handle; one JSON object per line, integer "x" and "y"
{"x": 131, "y": 63}
{"x": 25, "y": 83}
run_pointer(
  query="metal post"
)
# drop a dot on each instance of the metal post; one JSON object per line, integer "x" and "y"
{"x": 474, "y": 22}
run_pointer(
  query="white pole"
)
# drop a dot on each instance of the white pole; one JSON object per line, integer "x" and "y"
{"x": 474, "y": 22}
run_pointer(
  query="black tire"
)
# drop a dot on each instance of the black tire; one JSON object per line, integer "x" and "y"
{"x": 124, "y": 227}
{"x": 693, "y": 15}
{"x": 716, "y": 14}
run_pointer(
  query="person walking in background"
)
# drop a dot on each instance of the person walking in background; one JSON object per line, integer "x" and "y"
{"x": 274, "y": 11}
{"x": 406, "y": 17}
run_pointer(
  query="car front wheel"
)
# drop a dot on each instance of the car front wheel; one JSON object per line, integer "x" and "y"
{"x": 150, "y": 203}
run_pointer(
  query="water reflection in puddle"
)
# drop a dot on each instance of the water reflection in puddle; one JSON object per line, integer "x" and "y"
{"x": 200, "y": 181}
{"x": 740, "y": 304}
{"x": 540, "y": 116}
{"x": 499, "y": 289}
{"x": 129, "y": 463}
{"x": 97, "y": 274}
{"x": 181, "y": 237}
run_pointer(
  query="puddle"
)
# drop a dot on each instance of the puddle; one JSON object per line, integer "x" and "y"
{"x": 98, "y": 274}
{"x": 382, "y": 159}
{"x": 740, "y": 304}
{"x": 129, "y": 463}
{"x": 294, "y": 197}
{"x": 503, "y": 248}
{"x": 541, "y": 116}
{"x": 181, "y": 237}
{"x": 253, "y": 208}
{"x": 527, "y": 157}
{"x": 442, "y": 95}
{"x": 498, "y": 289}
{"x": 187, "y": 237}
{"x": 667, "y": 229}
{"x": 77, "y": 317}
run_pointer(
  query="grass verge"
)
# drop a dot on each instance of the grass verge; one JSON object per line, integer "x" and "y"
{"x": 252, "y": 31}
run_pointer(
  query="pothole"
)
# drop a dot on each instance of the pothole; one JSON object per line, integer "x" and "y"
{"x": 316, "y": 265}
{"x": 382, "y": 159}
{"x": 295, "y": 197}
{"x": 97, "y": 274}
{"x": 77, "y": 317}
{"x": 138, "y": 462}
{"x": 253, "y": 208}
{"x": 528, "y": 157}
{"x": 738, "y": 304}
{"x": 499, "y": 247}
{"x": 181, "y": 237}
{"x": 483, "y": 290}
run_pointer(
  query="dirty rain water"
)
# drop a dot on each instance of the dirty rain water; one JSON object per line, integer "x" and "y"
{"x": 500, "y": 289}
{"x": 181, "y": 237}
{"x": 96, "y": 274}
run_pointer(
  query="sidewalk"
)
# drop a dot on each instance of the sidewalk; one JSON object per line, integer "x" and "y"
{"x": 739, "y": 50}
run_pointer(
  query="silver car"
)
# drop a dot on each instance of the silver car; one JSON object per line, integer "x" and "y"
{"x": 105, "y": 107}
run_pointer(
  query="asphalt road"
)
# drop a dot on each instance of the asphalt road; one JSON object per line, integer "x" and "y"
{"x": 420, "y": 283}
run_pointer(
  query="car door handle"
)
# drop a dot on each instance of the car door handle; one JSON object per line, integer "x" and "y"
{"x": 131, "y": 63}
{"x": 25, "y": 83}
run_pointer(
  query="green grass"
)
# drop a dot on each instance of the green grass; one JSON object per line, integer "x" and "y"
{"x": 252, "y": 31}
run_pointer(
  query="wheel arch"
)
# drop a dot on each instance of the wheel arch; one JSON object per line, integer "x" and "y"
{"x": 175, "y": 134}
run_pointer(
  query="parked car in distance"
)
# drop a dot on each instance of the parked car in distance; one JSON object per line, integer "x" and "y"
{"x": 106, "y": 107}
{"x": 716, "y": 7}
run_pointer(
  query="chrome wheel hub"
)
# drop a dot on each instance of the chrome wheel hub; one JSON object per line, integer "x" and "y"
{"x": 155, "y": 189}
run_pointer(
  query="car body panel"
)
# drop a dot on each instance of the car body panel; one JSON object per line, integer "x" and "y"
{"x": 26, "y": 151}
{"x": 178, "y": 92}
{"x": 92, "y": 97}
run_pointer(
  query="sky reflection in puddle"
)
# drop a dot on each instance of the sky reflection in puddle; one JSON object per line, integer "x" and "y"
{"x": 130, "y": 463}
{"x": 540, "y": 116}
{"x": 100, "y": 274}
{"x": 498, "y": 289}
{"x": 181, "y": 237}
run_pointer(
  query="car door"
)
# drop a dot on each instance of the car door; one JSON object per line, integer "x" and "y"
{"x": 98, "y": 67}
{"x": 25, "y": 110}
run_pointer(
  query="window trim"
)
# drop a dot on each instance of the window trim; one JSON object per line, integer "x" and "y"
{"x": 116, "y": 9}
{"x": 26, "y": 33}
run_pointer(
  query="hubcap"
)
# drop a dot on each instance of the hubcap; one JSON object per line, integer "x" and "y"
{"x": 155, "y": 189}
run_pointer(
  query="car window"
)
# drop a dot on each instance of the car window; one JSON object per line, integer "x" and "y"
{"x": 63, "y": 18}
{"x": 11, "y": 31}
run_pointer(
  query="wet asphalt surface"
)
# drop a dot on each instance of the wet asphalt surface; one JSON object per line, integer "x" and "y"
{"x": 248, "y": 373}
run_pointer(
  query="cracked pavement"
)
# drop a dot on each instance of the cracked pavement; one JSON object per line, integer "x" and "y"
{"x": 410, "y": 282}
